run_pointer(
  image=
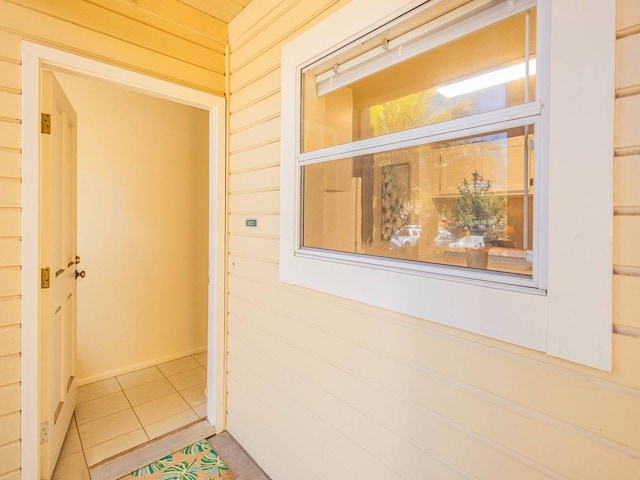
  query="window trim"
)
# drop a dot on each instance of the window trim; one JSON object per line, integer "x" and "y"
{"x": 573, "y": 319}
{"x": 518, "y": 115}
{"x": 459, "y": 22}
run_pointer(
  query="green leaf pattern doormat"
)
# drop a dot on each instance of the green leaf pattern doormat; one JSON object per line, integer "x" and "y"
{"x": 194, "y": 462}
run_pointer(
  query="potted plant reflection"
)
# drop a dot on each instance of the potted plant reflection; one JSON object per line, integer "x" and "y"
{"x": 479, "y": 214}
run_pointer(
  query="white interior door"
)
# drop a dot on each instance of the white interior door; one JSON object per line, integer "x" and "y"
{"x": 57, "y": 253}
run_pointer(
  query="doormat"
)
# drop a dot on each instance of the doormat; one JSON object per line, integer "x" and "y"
{"x": 194, "y": 462}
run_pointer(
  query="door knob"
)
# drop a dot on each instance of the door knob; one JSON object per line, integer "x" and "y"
{"x": 81, "y": 274}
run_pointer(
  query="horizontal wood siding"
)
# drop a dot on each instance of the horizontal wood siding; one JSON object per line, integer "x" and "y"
{"x": 10, "y": 250}
{"x": 319, "y": 385}
{"x": 93, "y": 31}
{"x": 162, "y": 38}
{"x": 626, "y": 227}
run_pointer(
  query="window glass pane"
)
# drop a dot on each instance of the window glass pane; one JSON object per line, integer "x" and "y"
{"x": 464, "y": 200}
{"x": 479, "y": 72}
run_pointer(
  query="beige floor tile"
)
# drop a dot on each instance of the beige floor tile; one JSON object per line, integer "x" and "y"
{"x": 104, "y": 423}
{"x": 201, "y": 358}
{"x": 189, "y": 378}
{"x": 71, "y": 467}
{"x": 194, "y": 395}
{"x": 156, "y": 410}
{"x": 149, "y": 391}
{"x": 71, "y": 443}
{"x": 177, "y": 366}
{"x": 107, "y": 428}
{"x": 91, "y": 391}
{"x": 101, "y": 407}
{"x": 201, "y": 410}
{"x": 114, "y": 446}
{"x": 171, "y": 423}
{"x": 139, "y": 377}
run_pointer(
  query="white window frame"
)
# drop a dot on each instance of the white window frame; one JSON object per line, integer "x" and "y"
{"x": 568, "y": 312}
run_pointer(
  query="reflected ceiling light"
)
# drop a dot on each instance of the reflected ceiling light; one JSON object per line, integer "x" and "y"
{"x": 468, "y": 18}
{"x": 485, "y": 80}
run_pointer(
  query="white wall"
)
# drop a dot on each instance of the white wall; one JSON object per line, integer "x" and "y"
{"x": 142, "y": 228}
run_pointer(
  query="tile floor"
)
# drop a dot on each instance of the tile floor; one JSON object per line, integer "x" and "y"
{"x": 122, "y": 412}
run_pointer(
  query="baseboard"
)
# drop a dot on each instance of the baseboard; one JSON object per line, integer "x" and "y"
{"x": 138, "y": 366}
{"x": 142, "y": 455}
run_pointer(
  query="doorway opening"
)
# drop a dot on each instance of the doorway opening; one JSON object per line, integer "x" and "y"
{"x": 142, "y": 228}
{"x": 36, "y": 58}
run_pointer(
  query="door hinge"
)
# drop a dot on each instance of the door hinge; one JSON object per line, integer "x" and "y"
{"x": 45, "y": 123}
{"x": 45, "y": 277}
{"x": 44, "y": 432}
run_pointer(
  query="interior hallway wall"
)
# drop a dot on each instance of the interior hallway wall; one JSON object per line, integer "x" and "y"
{"x": 142, "y": 228}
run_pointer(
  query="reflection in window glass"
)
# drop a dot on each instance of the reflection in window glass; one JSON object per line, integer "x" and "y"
{"x": 465, "y": 202}
{"x": 476, "y": 73}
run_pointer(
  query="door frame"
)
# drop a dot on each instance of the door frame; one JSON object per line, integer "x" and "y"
{"x": 35, "y": 57}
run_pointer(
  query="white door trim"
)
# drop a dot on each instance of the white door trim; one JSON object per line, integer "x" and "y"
{"x": 34, "y": 57}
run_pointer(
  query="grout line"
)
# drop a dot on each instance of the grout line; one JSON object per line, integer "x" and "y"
{"x": 185, "y": 400}
{"x": 155, "y": 399}
{"x": 84, "y": 456}
{"x": 131, "y": 407}
{"x": 195, "y": 413}
{"x": 166, "y": 418}
{"x": 134, "y": 412}
{"x": 135, "y": 371}
{"x": 101, "y": 418}
{"x": 119, "y": 436}
{"x": 100, "y": 396}
{"x": 160, "y": 370}
{"x": 144, "y": 428}
{"x": 183, "y": 397}
{"x": 127, "y": 398}
{"x": 118, "y": 382}
{"x": 140, "y": 422}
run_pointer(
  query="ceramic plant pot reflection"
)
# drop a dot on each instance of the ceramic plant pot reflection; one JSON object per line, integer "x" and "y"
{"x": 477, "y": 258}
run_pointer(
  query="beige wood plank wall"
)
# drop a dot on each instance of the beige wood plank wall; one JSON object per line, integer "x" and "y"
{"x": 626, "y": 279}
{"x": 320, "y": 386}
{"x": 162, "y": 38}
